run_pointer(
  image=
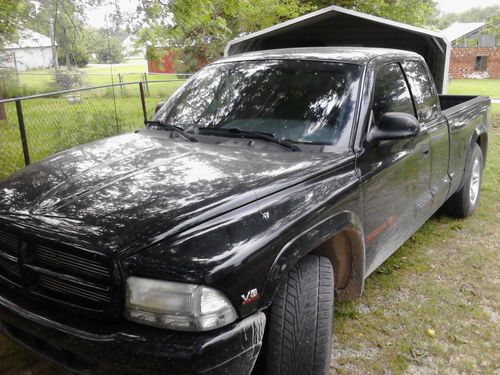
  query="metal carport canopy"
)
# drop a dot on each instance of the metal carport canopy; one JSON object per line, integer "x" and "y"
{"x": 335, "y": 26}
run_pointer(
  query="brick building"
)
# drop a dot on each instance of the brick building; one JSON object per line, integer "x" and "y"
{"x": 474, "y": 53}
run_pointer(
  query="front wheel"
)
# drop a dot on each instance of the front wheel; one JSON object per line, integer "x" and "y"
{"x": 464, "y": 202}
{"x": 300, "y": 324}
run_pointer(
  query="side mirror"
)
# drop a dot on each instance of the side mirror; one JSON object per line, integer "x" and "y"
{"x": 158, "y": 106}
{"x": 392, "y": 126}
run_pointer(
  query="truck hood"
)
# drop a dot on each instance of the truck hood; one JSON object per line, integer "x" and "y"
{"x": 142, "y": 188}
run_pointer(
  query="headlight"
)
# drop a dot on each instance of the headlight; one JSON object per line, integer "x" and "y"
{"x": 178, "y": 306}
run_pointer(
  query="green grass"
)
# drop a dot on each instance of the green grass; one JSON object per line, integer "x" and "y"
{"x": 54, "y": 124}
{"x": 41, "y": 81}
{"x": 443, "y": 280}
{"x": 487, "y": 87}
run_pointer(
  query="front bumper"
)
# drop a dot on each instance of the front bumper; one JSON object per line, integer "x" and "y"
{"x": 132, "y": 348}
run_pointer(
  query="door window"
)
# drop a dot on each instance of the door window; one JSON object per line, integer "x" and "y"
{"x": 422, "y": 88}
{"x": 391, "y": 92}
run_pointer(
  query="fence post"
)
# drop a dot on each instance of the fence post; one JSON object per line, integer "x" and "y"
{"x": 120, "y": 80}
{"x": 146, "y": 81}
{"x": 143, "y": 102}
{"x": 22, "y": 130}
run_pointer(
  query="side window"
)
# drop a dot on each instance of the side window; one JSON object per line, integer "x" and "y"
{"x": 422, "y": 88}
{"x": 391, "y": 92}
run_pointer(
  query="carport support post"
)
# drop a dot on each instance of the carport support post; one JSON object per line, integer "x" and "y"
{"x": 143, "y": 102}
{"x": 22, "y": 130}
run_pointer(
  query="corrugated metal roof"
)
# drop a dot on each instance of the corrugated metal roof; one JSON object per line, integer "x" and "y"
{"x": 336, "y": 26}
{"x": 460, "y": 29}
{"x": 30, "y": 39}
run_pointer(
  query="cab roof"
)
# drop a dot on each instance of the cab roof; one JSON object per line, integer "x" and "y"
{"x": 353, "y": 55}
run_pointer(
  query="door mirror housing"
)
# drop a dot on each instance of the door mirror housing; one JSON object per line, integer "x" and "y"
{"x": 393, "y": 126}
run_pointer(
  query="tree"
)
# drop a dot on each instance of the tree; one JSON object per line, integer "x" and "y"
{"x": 412, "y": 12}
{"x": 492, "y": 27}
{"x": 108, "y": 47}
{"x": 490, "y": 15}
{"x": 13, "y": 14}
{"x": 68, "y": 20}
{"x": 201, "y": 28}
{"x": 471, "y": 15}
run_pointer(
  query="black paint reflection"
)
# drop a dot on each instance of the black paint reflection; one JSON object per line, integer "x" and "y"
{"x": 135, "y": 187}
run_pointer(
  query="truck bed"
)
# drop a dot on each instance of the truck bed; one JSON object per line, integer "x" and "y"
{"x": 460, "y": 101}
{"x": 465, "y": 114}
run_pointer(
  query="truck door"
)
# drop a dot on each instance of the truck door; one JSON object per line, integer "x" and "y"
{"x": 429, "y": 114}
{"x": 394, "y": 173}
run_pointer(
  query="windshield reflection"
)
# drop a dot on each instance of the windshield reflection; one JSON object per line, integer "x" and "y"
{"x": 298, "y": 101}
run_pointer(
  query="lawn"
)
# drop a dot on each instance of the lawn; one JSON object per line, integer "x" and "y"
{"x": 487, "y": 87}
{"x": 431, "y": 308}
{"x": 54, "y": 124}
{"x": 41, "y": 81}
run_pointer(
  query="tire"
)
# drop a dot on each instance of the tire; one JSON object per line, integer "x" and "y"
{"x": 464, "y": 202}
{"x": 300, "y": 324}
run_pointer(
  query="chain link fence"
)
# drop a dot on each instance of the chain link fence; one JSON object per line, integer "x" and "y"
{"x": 40, "y": 125}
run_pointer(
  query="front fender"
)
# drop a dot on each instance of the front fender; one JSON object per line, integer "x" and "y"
{"x": 319, "y": 240}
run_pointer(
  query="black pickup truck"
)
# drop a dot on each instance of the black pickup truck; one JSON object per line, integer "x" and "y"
{"x": 215, "y": 240}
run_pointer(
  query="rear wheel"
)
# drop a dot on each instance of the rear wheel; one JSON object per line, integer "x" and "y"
{"x": 300, "y": 322}
{"x": 464, "y": 202}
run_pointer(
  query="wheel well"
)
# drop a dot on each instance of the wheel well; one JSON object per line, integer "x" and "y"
{"x": 482, "y": 141}
{"x": 345, "y": 252}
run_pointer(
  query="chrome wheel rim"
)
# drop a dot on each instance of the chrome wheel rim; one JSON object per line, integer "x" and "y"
{"x": 475, "y": 181}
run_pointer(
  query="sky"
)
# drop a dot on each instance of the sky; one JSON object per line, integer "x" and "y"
{"x": 458, "y": 6}
{"x": 97, "y": 16}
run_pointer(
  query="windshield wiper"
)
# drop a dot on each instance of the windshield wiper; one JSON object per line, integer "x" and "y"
{"x": 249, "y": 134}
{"x": 172, "y": 128}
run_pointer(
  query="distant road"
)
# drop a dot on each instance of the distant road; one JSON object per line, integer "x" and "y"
{"x": 131, "y": 63}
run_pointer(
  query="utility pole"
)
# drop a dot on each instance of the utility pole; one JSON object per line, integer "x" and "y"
{"x": 66, "y": 53}
{"x": 53, "y": 41}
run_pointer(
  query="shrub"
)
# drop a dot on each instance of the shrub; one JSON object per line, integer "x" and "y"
{"x": 67, "y": 79}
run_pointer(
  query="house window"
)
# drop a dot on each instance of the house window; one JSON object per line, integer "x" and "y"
{"x": 480, "y": 63}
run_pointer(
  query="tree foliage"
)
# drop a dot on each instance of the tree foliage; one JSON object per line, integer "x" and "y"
{"x": 13, "y": 14}
{"x": 69, "y": 24}
{"x": 471, "y": 15}
{"x": 490, "y": 15}
{"x": 108, "y": 46}
{"x": 412, "y": 12}
{"x": 201, "y": 28}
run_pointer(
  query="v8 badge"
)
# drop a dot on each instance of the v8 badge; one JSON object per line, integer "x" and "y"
{"x": 250, "y": 296}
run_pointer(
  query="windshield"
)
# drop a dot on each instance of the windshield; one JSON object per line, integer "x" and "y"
{"x": 297, "y": 101}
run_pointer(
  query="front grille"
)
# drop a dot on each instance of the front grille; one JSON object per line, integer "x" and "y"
{"x": 9, "y": 257}
{"x": 8, "y": 242}
{"x": 74, "y": 263}
{"x": 9, "y": 263}
{"x": 74, "y": 289}
{"x": 69, "y": 276}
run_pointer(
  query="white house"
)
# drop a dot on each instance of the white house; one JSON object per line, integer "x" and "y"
{"x": 32, "y": 51}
